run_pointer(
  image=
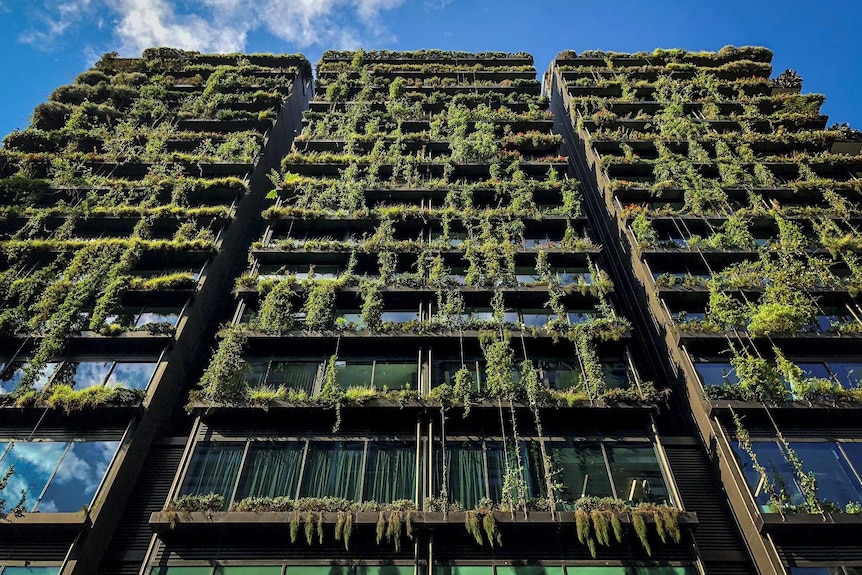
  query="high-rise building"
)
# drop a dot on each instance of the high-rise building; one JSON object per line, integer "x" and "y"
{"x": 126, "y": 206}
{"x": 431, "y": 326}
{"x": 733, "y": 216}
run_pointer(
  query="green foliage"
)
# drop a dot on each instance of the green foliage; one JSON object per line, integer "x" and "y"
{"x": 223, "y": 378}
{"x": 643, "y": 230}
{"x": 320, "y": 305}
{"x": 277, "y": 312}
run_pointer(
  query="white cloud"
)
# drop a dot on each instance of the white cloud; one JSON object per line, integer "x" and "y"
{"x": 214, "y": 25}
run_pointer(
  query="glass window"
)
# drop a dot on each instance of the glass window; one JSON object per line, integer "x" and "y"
{"x": 181, "y": 571}
{"x": 298, "y": 375}
{"x": 778, "y": 471}
{"x": 443, "y": 372}
{"x": 132, "y": 374}
{"x": 249, "y": 570}
{"x": 528, "y": 570}
{"x": 637, "y": 474}
{"x": 849, "y": 374}
{"x": 631, "y": 570}
{"x": 536, "y": 317}
{"x": 254, "y": 373}
{"x": 395, "y": 316}
{"x": 353, "y": 374}
{"x": 616, "y": 374}
{"x": 318, "y": 570}
{"x": 560, "y": 374}
{"x": 333, "y": 469}
{"x": 815, "y": 370}
{"x": 31, "y": 571}
{"x": 817, "y": 571}
{"x": 531, "y": 463}
{"x": 390, "y": 472}
{"x": 34, "y": 464}
{"x": 464, "y": 570}
{"x": 580, "y": 316}
{"x": 384, "y": 570}
{"x": 168, "y": 315}
{"x": 83, "y": 374}
{"x": 836, "y": 482}
{"x": 854, "y": 454}
{"x": 74, "y": 484}
{"x": 271, "y": 470}
{"x": 395, "y": 375}
{"x": 15, "y": 373}
{"x": 213, "y": 469}
{"x": 465, "y": 472}
{"x": 716, "y": 373}
{"x": 582, "y": 471}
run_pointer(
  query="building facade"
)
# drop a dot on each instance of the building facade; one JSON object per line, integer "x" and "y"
{"x": 447, "y": 321}
{"x": 736, "y": 211}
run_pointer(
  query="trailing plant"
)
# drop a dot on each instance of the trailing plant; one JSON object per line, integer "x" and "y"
{"x": 276, "y": 312}
{"x": 223, "y": 379}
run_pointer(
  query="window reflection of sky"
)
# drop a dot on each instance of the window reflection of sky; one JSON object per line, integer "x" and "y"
{"x": 73, "y": 482}
{"x": 15, "y": 374}
{"x": 78, "y": 476}
{"x": 84, "y": 374}
{"x": 134, "y": 375}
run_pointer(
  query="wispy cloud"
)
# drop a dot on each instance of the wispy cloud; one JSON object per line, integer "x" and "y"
{"x": 212, "y": 25}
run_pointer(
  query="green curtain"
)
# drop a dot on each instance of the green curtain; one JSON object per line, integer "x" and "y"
{"x": 390, "y": 472}
{"x": 214, "y": 469}
{"x": 332, "y": 469}
{"x": 271, "y": 471}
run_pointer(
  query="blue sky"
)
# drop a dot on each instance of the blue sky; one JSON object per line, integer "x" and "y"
{"x": 46, "y": 43}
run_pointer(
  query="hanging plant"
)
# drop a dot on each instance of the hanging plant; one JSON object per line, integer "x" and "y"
{"x": 277, "y": 313}
{"x": 222, "y": 380}
{"x": 320, "y": 305}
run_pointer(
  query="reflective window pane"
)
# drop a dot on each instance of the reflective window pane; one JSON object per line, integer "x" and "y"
{"x": 213, "y": 470}
{"x": 561, "y": 374}
{"x": 254, "y": 373}
{"x": 529, "y": 570}
{"x": 298, "y": 375}
{"x": 318, "y": 570}
{"x": 181, "y": 571}
{"x": 158, "y": 315}
{"x": 15, "y": 373}
{"x": 836, "y": 482}
{"x": 384, "y": 570}
{"x": 849, "y": 374}
{"x": 395, "y": 375}
{"x": 333, "y": 469}
{"x": 814, "y": 370}
{"x": 34, "y": 463}
{"x": 716, "y": 373}
{"x": 249, "y": 570}
{"x": 74, "y": 485}
{"x": 132, "y": 375}
{"x": 31, "y": 571}
{"x": 271, "y": 470}
{"x": 531, "y": 463}
{"x": 353, "y": 374}
{"x": 83, "y": 374}
{"x": 778, "y": 471}
{"x": 464, "y": 570}
{"x": 390, "y": 472}
{"x": 582, "y": 471}
{"x": 637, "y": 474}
